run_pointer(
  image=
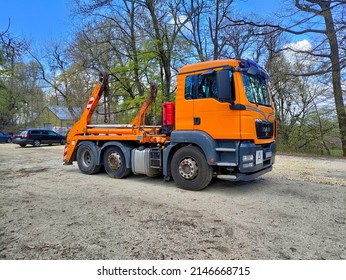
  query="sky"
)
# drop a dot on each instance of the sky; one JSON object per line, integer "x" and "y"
{"x": 36, "y": 20}
{"x": 48, "y": 20}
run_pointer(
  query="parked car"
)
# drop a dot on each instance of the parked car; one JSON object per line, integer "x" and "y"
{"x": 36, "y": 137}
{"x": 5, "y": 138}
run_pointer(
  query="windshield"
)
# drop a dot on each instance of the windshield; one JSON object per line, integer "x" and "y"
{"x": 256, "y": 89}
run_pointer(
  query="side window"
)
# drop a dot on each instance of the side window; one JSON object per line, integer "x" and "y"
{"x": 52, "y": 133}
{"x": 189, "y": 87}
{"x": 207, "y": 86}
{"x": 201, "y": 86}
{"x": 35, "y": 132}
{"x": 44, "y": 132}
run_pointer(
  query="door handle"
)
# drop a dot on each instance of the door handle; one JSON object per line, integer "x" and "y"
{"x": 196, "y": 120}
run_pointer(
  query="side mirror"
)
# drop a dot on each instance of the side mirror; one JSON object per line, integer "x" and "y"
{"x": 224, "y": 85}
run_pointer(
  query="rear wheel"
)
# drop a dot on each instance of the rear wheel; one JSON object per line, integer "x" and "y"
{"x": 114, "y": 163}
{"x": 87, "y": 159}
{"x": 190, "y": 169}
{"x": 22, "y": 145}
{"x": 37, "y": 143}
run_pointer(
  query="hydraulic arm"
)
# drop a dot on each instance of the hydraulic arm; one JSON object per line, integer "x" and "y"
{"x": 138, "y": 119}
{"x": 83, "y": 128}
{"x": 81, "y": 125}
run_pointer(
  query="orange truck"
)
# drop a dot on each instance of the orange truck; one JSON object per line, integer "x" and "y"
{"x": 222, "y": 124}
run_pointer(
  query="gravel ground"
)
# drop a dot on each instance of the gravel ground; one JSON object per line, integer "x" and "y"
{"x": 52, "y": 211}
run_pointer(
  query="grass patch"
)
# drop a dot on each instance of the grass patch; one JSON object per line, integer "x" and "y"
{"x": 336, "y": 152}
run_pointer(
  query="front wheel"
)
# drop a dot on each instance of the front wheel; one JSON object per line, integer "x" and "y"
{"x": 114, "y": 163}
{"x": 87, "y": 159}
{"x": 190, "y": 169}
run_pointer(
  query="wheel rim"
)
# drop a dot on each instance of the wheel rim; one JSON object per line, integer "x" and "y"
{"x": 188, "y": 168}
{"x": 86, "y": 158}
{"x": 114, "y": 161}
{"x": 37, "y": 143}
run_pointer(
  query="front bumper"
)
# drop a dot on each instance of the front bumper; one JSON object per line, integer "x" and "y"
{"x": 255, "y": 158}
{"x": 244, "y": 176}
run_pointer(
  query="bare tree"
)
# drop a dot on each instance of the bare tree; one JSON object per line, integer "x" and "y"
{"x": 12, "y": 98}
{"x": 167, "y": 22}
{"x": 207, "y": 29}
{"x": 329, "y": 15}
{"x": 113, "y": 38}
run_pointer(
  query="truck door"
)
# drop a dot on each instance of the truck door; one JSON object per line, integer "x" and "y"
{"x": 211, "y": 114}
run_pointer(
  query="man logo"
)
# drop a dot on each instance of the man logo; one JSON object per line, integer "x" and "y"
{"x": 266, "y": 130}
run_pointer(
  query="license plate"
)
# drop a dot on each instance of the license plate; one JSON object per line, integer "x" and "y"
{"x": 259, "y": 157}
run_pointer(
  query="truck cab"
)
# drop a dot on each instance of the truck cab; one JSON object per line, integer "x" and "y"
{"x": 228, "y": 104}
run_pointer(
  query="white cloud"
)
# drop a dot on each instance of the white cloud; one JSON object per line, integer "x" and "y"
{"x": 299, "y": 52}
{"x": 303, "y": 45}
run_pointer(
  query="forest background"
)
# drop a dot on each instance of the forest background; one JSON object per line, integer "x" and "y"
{"x": 302, "y": 45}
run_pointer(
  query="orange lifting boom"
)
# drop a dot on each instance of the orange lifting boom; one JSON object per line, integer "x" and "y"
{"x": 84, "y": 130}
{"x": 138, "y": 119}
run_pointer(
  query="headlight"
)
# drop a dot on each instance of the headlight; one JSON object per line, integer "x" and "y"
{"x": 247, "y": 165}
{"x": 248, "y": 158}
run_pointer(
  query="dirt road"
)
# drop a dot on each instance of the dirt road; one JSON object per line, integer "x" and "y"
{"x": 52, "y": 211}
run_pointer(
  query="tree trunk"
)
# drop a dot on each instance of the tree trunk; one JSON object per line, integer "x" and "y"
{"x": 336, "y": 72}
{"x": 163, "y": 55}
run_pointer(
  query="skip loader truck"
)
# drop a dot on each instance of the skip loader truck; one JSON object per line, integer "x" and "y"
{"x": 222, "y": 124}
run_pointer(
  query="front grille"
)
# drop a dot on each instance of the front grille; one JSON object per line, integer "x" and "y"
{"x": 264, "y": 129}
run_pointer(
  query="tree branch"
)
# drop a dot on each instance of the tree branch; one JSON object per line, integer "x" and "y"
{"x": 275, "y": 28}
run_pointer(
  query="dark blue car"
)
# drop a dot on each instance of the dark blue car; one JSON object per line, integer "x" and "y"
{"x": 5, "y": 138}
{"x": 36, "y": 137}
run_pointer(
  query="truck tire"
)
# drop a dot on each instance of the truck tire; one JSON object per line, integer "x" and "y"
{"x": 114, "y": 163}
{"x": 190, "y": 170}
{"x": 87, "y": 158}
